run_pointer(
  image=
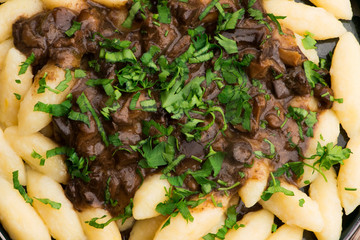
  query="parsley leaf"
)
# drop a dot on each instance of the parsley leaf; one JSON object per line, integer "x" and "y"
{"x": 308, "y": 41}
{"x": 301, "y": 202}
{"x": 127, "y": 214}
{"x": 256, "y": 14}
{"x": 228, "y": 44}
{"x": 53, "y": 204}
{"x": 260, "y": 154}
{"x": 238, "y": 109}
{"x": 56, "y": 110}
{"x": 79, "y": 73}
{"x": 230, "y": 222}
{"x": 147, "y": 125}
{"x": 126, "y": 55}
{"x": 274, "y": 187}
{"x": 63, "y": 85}
{"x": 216, "y": 159}
{"x": 147, "y": 58}
{"x": 76, "y": 116}
{"x": 85, "y": 106}
{"x": 43, "y": 85}
{"x": 179, "y": 100}
{"x": 36, "y": 155}
{"x": 132, "y": 12}
{"x": 177, "y": 203}
{"x": 330, "y": 155}
{"x": 108, "y": 198}
{"x": 208, "y": 9}
{"x": 312, "y": 76}
{"x": 275, "y": 20}
{"x": 24, "y": 66}
{"x": 300, "y": 115}
{"x": 75, "y": 27}
{"x": 17, "y": 96}
{"x": 164, "y": 13}
{"x": 20, "y": 188}
{"x": 230, "y": 20}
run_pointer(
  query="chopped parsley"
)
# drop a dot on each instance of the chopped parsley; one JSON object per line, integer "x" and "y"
{"x": 63, "y": 85}
{"x": 56, "y": 110}
{"x": 272, "y": 154}
{"x": 330, "y": 155}
{"x": 238, "y": 109}
{"x": 274, "y": 187}
{"x": 52, "y": 204}
{"x": 85, "y": 106}
{"x": 275, "y": 20}
{"x": 127, "y": 214}
{"x": 76, "y": 116}
{"x": 308, "y": 41}
{"x": 230, "y": 223}
{"x": 24, "y": 66}
{"x": 73, "y": 29}
{"x": 43, "y": 85}
{"x": 20, "y": 188}
{"x": 36, "y": 155}
{"x": 301, "y": 202}
{"x": 228, "y": 44}
{"x": 274, "y": 227}
{"x": 77, "y": 166}
{"x": 17, "y": 96}
{"x": 208, "y": 9}
{"x": 312, "y": 76}
{"x": 79, "y": 73}
{"x": 164, "y": 13}
{"x": 177, "y": 203}
{"x": 301, "y": 116}
{"x": 230, "y": 20}
{"x": 132, "y": 12}
{"x": 108, "y": 199}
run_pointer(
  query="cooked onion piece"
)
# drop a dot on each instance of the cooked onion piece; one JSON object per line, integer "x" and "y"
{"x": 19, "y": 219}
{"x": 13, "y": 87}
{"x": 10, "y": 11}
{"x": 311, "y": 54}
{"x": 286, "y": 232}
{"x": 326, "y": 130}
{"x": 345, "y": 82}
{"x": 76, "y": 5}
{"x": 62, "y": 220}
{"x": 31, "y": 121}
{"x": 325, "y": 193}
{"x": 288, "y": 209}
{"x": 206, "y": 216}
{"x": 301, "y": 18}
{"x": 110, "y": 231}
{"x": 4, "y": 48}
{"x": 256, "y": 183}
{"x": 349, "y": 178}
{"x": 254, "y": 225}
{"x": 25, "y": 146}
{"x": 146, "y": 229}
{"x": 341, "y": 9}
{"x": 148, "y": 196}
{"x": 10, "y": 161}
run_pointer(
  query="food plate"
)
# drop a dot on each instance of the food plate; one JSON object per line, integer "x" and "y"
{"x": 351, "y": 223}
